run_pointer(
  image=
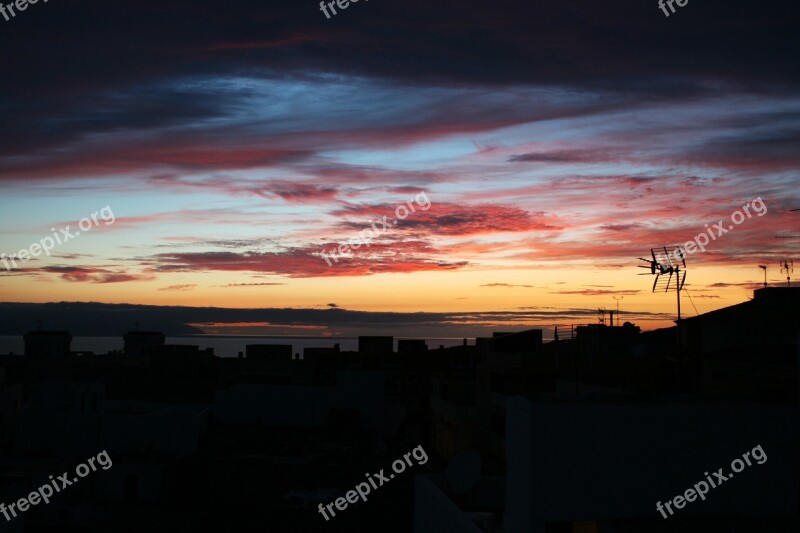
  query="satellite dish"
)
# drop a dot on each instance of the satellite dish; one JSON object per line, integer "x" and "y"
{"x": 463, "y": 471}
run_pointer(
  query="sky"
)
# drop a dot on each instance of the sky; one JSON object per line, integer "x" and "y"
{"x": 537, "y": 149}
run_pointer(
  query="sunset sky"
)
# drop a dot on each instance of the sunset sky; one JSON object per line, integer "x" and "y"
{"x": 557, "y": 141}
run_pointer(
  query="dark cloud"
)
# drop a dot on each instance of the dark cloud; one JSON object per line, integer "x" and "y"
{"x": 77, "y": 274}
{"x": 621, "y": 227}
{"x": 113, "y": 319}
{"x": 186, "y": 287}
{"x": 506, "y": 285}
{"x": 447, "y": 219}
{"x": 154, "y": 66}
{"x": 253, "y": 284}
{"x": 378, "y": 258}
{"x": 747, "y": 285}
{"x": 567, "y": 156}
{"x": 598, "y": 292}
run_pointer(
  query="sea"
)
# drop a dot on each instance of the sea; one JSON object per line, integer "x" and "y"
{"x": 223, "y": 345}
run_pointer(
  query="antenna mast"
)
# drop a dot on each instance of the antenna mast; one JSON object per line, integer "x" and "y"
{"x": 764, "y": 267}
{"x": 787, "y": 265}
{"x": 666, "y": 262}
{"x": 617, "y": 299}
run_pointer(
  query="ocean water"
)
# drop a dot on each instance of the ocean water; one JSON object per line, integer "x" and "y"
{"x": 224, "y": 346}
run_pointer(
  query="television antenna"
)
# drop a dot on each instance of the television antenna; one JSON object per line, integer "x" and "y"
{"x": 601, "y": 315}
{"x": 667, "y": 262}
{"x": 787, "y": 265}
{"x": 617, "y": 299}
{"x": 764, "y": 268}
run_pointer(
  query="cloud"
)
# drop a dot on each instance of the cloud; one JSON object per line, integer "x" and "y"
{"x": 186, "y": 287}
{"x": 447, "y": 219}
{"x": 307, "y": 262}
{"x": 563, "y": 156}
{"x": 506, "y": 285}
{"x": 598, "y": 292}
{"x": 276, "y": 126}
{"x": 252, "y": 284}
{"x": 751, "y": 285}
{"x": 301, "y": 192}
{"x": 77, "y": 274}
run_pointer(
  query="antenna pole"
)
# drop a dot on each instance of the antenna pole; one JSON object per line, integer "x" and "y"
{"x": 661, "y": 265}
{"x": 764, "y": 268}
{"x": 617, "y": 298}
{"x": 788, "y": 266}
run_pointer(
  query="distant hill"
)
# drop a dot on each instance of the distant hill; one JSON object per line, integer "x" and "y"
{"x": 112, "y": 320}
{"x": 91, "y": 319}
{"x": 99, "y": 319}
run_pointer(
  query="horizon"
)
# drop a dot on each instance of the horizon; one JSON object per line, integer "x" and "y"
{"x": 331, "y": 322}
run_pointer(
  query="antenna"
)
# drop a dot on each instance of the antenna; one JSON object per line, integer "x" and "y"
{"x": 764, "y": 267}
{"x": 666, "y": 262}
{"x": 787, "y": 265}
{"x": 617, "y": 299}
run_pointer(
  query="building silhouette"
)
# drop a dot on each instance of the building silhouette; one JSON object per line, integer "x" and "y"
{"x": 583, "y": 434}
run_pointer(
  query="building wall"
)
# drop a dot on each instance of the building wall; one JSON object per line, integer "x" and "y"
{"x": 586, "y": 462}
{"x": 434, "y": 512}
{"x": 301, "y": 405}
